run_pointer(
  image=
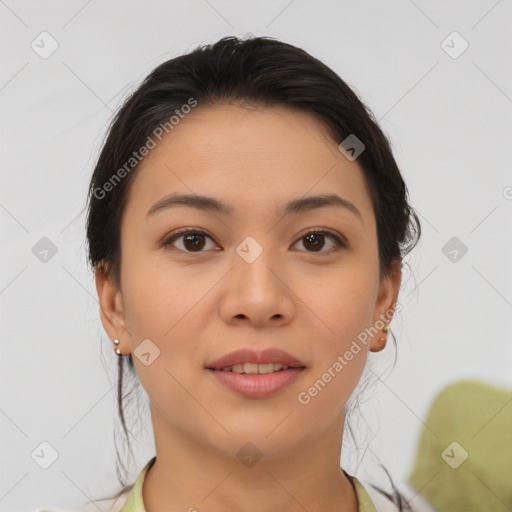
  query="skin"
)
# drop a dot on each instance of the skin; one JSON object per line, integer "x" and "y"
{"x": 198, "y": 306}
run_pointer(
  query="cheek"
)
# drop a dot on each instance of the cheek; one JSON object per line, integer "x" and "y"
{"x": 164, "y": 307}
{"x": 345, "y": 306}
{"x": 158, "y": 299}
{"x": 338, "y": 362}
{"x": 345, "y": 303}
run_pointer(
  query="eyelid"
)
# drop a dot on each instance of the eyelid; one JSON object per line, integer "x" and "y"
{"x": 184, "y": 231}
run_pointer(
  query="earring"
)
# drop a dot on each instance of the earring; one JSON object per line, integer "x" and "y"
{"x": 118, "y": 352}
{"x": 383, "y": 339}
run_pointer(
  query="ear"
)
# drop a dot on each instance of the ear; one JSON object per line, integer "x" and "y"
{"x": 386, "y": 303}
{"x": 111, "y": 308}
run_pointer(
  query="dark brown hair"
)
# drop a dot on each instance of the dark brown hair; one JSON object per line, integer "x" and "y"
{"x": 259, "y": 71}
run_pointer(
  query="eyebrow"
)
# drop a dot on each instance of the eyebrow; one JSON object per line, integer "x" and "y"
{"x": 205, "y": 203}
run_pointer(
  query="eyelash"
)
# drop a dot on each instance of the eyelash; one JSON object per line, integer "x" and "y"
{"x": 319, "y": 231}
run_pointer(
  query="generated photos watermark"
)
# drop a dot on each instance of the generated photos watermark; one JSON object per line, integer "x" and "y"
{"x": 304, "y": 397}
{"x": 137, "y": 156}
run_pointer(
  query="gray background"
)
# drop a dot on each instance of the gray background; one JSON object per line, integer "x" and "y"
{"x": 450, "y": 126}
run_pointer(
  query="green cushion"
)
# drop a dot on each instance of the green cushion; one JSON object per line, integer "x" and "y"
{"x": 464, "y": 456}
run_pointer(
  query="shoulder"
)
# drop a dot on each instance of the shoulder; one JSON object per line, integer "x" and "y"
{"x": 112, "y": 505}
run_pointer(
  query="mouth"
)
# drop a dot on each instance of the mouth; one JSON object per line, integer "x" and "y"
{"x": 256, "y": 374}
{"x": 256, "y": 369}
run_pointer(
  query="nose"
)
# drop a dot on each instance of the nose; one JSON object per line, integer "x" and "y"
{"x": 258, "y": 292}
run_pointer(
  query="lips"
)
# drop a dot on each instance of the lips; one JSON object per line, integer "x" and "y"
{"x": 270, "y": 355}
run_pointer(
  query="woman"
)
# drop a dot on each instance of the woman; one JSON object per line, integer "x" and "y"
{"x": 247, "y": 223}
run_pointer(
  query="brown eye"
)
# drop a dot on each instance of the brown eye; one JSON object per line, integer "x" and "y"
{"x": 192, "y": 241}
{"x": 314, "y": 241}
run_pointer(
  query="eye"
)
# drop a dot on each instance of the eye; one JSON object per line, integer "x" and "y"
{"x": 315, "y": 240}
{"x": 193, "y": 240}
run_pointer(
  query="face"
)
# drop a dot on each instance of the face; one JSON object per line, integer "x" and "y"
{"x": 256, "y": 277}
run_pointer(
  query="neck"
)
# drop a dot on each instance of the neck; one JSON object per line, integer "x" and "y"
{"x": 192, "y": 476}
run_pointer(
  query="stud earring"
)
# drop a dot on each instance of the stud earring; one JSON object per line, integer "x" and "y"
{"x": 383, "y": 339}
{"x": 118, "y": 352}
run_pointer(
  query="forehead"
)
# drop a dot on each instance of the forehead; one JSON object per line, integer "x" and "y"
{"x": 248, "y": 154}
